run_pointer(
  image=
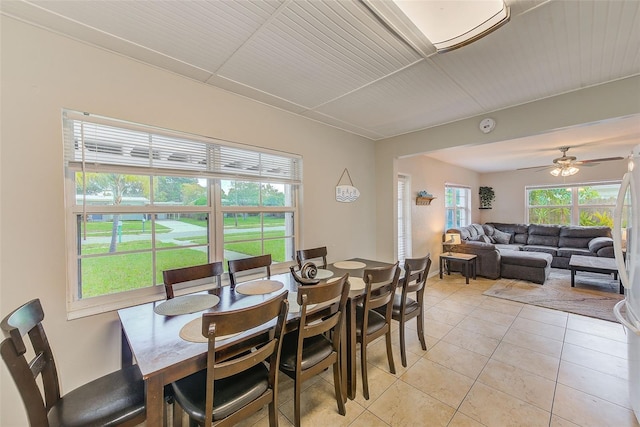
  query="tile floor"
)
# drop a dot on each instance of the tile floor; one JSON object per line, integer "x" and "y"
{"x": 490, "y": 362}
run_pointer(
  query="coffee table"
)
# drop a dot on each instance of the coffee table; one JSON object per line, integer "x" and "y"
{"x": 468, "y": 261}
{"x": 593, "y": 264}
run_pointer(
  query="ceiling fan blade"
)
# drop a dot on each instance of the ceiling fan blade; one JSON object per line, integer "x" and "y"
{"x": 536, "y": 167}
{"x": 605, "y": 159}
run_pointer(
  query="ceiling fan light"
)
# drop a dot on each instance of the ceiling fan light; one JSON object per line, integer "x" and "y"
{"x": 572, "y": 170}
{"x": 555, "y": 172}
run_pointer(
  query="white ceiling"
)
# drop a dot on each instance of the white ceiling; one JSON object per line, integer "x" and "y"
{"x": 333, "y": 61}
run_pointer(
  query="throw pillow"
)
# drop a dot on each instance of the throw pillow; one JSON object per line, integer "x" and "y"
{"x": 501, "y": 237}
{"x": 482, "y": 238}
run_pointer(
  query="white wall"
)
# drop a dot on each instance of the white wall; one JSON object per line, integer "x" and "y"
{"x": 428, "y": 222}
{"x": 510, "y": 203}
{"x": 607, "y": 101}
{"x": 41, "y": 74}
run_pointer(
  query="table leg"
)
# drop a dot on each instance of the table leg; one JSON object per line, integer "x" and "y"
{"x": 351, "y": 349}
{"x": 126, "y": 357}
{"x": 475, "y": 267}
{"x": 154, "y": 389}
{"x": 466, "y": 271}
{"x": 441, "y": 266}
{"x": 573, "y": 277}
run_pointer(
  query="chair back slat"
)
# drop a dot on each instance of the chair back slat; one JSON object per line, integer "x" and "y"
{"x": 247, "y": 264}
{"x": 228, "y": 322}
{"x": 189, "y": 274}
{"x": 304, "y": 255}
{"x": 26, "y": 320}
{"x": 416, "y": 271}
{"x": 312, "y": 325}
{"x": 380, "y": 285}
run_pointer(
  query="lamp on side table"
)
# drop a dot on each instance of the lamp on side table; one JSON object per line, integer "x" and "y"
{"x": 450, "y": 239}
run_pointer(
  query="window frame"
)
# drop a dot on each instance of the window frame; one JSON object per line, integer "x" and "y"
{"x": 404, "y": 218}
{"x": 78, "y": 307}
{"x": 574, "y": 206}
{"x": 455, "y": 208}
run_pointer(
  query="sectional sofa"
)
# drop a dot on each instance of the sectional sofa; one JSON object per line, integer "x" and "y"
{"x": 528, "y": 251}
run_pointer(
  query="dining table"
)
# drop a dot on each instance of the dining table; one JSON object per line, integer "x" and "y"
{"x": 156, "y": 340}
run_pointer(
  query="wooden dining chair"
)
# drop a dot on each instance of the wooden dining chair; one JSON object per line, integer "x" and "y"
{"x": 404, "y": 307}
{"x": 304, "y": 255}
{"x": 308, "y": 351}
{"x": 189, "y": 274}
{"x": 116, "y": 399}
{"x": 236, "y": 385}
{"x": 380, "y": 288}
{"x": 238, "y": 265}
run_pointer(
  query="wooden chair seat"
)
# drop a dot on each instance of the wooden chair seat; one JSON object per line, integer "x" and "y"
{"x": 410, "y": 306}
{"x": 106, "y": 401}
{"x": 239, "y": 381}
{"x": 380, "y": 287}
{"x": 308, "y": 350}
{"x": 375, "y": 323}
{"x": 116, "y": 399}
{"x": 230, "y": 394}
{"x": 315, "y": 350}
{"x": 406, "y": 308}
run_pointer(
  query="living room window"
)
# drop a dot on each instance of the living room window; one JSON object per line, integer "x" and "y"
{"x": 140, "y": 200}
{"x": 582, "y": 204}
{"x": 457, "y": 204}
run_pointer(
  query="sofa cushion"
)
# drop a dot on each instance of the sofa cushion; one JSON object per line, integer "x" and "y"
{"x": 509, "y": 247}
{"x": 585, "y": 232}
{"x": 542, "y": 240}
{"x": 552, "y": 250}
{"x": 479, "y": 231}
{"x": 501, "y": 237}
{"x": 480, "y": 245}
{"x": 519, "y": 231}
{"x": 567, "y": 252}
{"x": 544, "y": 230}
{"x": 533, "y": 259}
{"x": 488, "y": 229}
{"x": 598, "y": 243}
{"x": 482, "y": 238}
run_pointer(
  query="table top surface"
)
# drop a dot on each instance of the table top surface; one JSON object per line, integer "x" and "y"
{"x": 458, "y": 256}
{"x": 154, "y": 338}
{"x": 603, "y": 263}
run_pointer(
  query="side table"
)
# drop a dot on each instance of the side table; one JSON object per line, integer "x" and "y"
{"x": 468, "y": 261}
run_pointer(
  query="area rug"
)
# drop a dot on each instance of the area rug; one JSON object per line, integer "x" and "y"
{"x": 594, "y": 294}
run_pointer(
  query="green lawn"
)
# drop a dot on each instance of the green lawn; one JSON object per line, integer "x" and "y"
{"x": 126, "y": 271}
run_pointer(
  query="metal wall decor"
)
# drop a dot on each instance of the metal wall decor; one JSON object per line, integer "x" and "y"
{"x": 346, "y": 193}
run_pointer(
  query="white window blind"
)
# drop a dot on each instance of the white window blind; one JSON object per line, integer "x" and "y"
{"x": 94, "y": 143}
{"x": 404, "y": 220}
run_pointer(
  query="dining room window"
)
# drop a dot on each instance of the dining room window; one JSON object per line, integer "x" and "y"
{"x": 457, "y": 205}
{"x": 140, "y": 200}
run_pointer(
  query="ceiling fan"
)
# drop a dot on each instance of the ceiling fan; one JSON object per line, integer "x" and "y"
{"x": 568, "y": 165}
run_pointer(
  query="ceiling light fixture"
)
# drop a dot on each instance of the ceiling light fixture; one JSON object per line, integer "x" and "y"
{"x": 447, "y": 24}
{"x": 564, "y": 170}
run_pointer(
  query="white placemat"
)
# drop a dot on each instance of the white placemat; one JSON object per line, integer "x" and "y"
{"x": 259, "y": 287}
{"x": 294, "y": 307}
{"x": 357, "y": 284}
{"x": 186, "y": 304}
{"x": 324, "y": 274}
{"x": 192, "y": 331}
{"x": 349, "y": 265}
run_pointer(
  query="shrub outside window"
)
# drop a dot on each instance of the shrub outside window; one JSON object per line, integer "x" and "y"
{"x": 582, "y": 204}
